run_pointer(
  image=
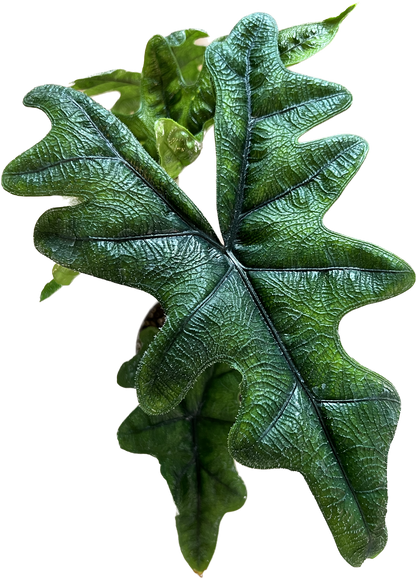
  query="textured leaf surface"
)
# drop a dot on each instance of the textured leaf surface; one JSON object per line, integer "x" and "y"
{"x": 270, "y": 300}
{"x": 301, "y": 42}
{"x": 171, "y": 85}
{"x": 190, "y": 443}
{"x": 187, "y": 57}
{"x": 173, "y": 64}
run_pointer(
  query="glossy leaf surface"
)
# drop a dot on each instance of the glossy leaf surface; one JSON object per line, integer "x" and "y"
{"x": 170, "y": 143}
{"x": 174, "y": 63}
{"x": 298, "y": 43}
{"x": 176, "y": 146}
{"x": 269, "y": 302}
{"x": 190, "y": 443}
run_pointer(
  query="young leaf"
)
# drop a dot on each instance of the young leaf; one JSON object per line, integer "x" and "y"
{"x": 170, "y": 86}
{"x": 174, "y": 63}
{"x": 60, "y": 278}
{"x": 124, "y": 82}
{"x": 176, "y": 146}
{"x": 190, "y": 443}
{"x": 188, "y": 55}
{"x": 269, "y": 301}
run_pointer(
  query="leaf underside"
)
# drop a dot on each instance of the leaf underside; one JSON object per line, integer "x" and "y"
{"x": 190, "y": 443}
{"x": 269, "y": 301}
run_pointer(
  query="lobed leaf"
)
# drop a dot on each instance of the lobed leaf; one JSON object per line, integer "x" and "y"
{"x": 298, "y": 43}
{"x": 188, "y": 55}
{"x": 268, "y": 302}
{"x": 171, "y": 85}
{"x": 61, "y": 276}
{"x": 121, "y": 81}
{"x": 177, "y": 83}
{"x": 190, "y": 443}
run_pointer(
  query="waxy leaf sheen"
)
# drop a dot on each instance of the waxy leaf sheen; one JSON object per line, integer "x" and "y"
{"x": 269, "y": 300}
{"x": 177, "y": 86}
{"x": 176, "y": 83}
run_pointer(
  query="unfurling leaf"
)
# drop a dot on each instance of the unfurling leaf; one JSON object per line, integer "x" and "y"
{"x": 171, "y": 85}
{"x": 269, "y": 300}
{"x": 176, "y": 84}
{"x": 176, "y": 146}
{"x": 60, "y": 278}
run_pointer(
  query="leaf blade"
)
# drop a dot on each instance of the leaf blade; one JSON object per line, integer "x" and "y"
{"x": 190, "y": 443}
{"x": 237, "y": 156}
{"x": 171, "y": 85}
{"x": 298, "y": 43}
{"x": 259, "y": 315}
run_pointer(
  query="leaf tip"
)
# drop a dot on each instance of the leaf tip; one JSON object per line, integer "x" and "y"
{"x": 336, "y": 20}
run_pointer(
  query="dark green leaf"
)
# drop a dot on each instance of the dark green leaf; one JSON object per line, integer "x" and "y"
{"x": 174, "y": 63}
{"x": 190, "y": 443}
{"x": 270, "y": 300}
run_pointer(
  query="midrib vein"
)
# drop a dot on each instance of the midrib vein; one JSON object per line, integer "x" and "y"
{"x": 242, "y": 179}
{"x": 300, "y": 382}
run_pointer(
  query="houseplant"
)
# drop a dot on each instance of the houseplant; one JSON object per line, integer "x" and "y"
{"x": 276, "y": 316}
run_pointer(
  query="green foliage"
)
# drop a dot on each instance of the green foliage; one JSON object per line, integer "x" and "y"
{"x": 170, "y": 86}
{"x": 176, "y": 146}
{"x": 190, "y": 443}
{"x": 176, "y": 85}
{"x": 60, "y": 278}
{"x": 267, "y": 301}
{"x": 301, "y": 42}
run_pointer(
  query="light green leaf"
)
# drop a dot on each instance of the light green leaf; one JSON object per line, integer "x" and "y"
{"x": 176, "y": 146}
{"x": 177, "y": 84}
{"x": 122, "y": 81}
{"x": 301, "y": 42}
{"x": 189, "y": 56}
{"x": 170, "y": 86}
{"x": 61, "y": 276}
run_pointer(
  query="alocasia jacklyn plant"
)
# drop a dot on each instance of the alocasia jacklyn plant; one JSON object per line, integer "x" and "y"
{"x": 243, "y": 359}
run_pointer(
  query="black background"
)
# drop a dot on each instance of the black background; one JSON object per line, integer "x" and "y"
{"x": 97, "y": 504}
